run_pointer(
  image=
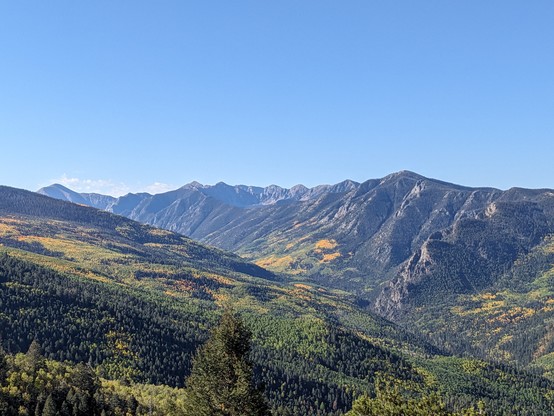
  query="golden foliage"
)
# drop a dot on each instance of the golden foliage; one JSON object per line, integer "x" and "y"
{"x": 72, "y": 248}
{"x": 7, "y": 230}
{"x": 296, "y": 242}
{"x": 325, "y": 245}
{"x": 158, "y": 232}
{"x": 302, "y": 286}
{"x": 488, "y": 296}
{"x": 513, "y": 315}
{"x": 485, "y": 307}
{"x": 275, "y": 262}
{"x": 59, "y": 265}
{"x": 215, "y": 277}
{"x": 330, "y": 257}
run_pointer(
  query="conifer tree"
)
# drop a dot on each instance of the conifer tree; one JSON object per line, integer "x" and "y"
{"x": 49, "y": 407}
{"x": 34, "y": 358}
{"x": 65, "y": 410}
{"x": 3, "y": 374}
{"x": 3, "y": 365}
{"x": 221, "y": 382}
{"x": 85, "y": 379}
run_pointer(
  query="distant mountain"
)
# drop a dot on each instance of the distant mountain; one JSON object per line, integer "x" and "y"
{"x": 414, "y": 248}
{"x": 237, "y": 196}
{"x": 65, "y": 194}
{"x": 136, "y": 301}
{"x": 349, "y": 235}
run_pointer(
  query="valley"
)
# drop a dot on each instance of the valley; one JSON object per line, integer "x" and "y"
{"x": 418, "y": 251}
{"x": 329, "y": 280}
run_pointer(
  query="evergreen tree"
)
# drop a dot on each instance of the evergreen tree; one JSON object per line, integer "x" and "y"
{"x": 3, "y": 374}
{"x": 3, "y": 365}
{"x": 65, "y": 410}
{"x": 393, "y": 399}
{"x": 221, "y": 383}
{"x": 87, "y": 384}
{"x": 49, "y": 407}
{"x": 34, "y": 358}
{"x": 85, "y": 379}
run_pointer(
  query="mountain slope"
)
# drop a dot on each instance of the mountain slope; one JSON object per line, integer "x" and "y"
{"x": 136, "y": 301}
{"x": 505, "y": 315}
{"x": 471, "y": 254}
{"x": 350, "y": 235}
{"x": 65, "y": 194}
{"x": 415, "y": 248}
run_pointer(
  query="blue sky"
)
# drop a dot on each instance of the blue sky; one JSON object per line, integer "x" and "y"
{"x": 118, "y": 96}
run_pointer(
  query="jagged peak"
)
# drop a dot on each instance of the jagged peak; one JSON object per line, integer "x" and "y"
{"x": 299, "y": 188}
{"x": 131, "y": 194}
{"x": 274, "y": 187}
{"x": 193, "y": 185}
{"x": 344, "y": 186}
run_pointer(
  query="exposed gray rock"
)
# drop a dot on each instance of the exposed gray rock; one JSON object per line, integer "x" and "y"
{"x": 397, "y": 233}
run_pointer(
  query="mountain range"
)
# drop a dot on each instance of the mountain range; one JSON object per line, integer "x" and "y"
{"x": 413, "y": 249}
{"x": 359, "y": 233}
{"x": 468, "y": 271}
{"x": 135, "y": 302}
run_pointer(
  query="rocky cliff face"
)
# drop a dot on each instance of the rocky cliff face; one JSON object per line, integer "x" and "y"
{"x": 471, "y": 254}
{"x": 470, "y": 267}
{"x": 351, "y": 235}
{"x": 395, "y": 240}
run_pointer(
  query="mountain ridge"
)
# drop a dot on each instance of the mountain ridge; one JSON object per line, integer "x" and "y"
{"x": 441, "y": 259}
{"x": 135, "y": 301}
{"x": 407, "y": 245}
{"x": 375, "y": 225}
{"x": 254, "y": 189}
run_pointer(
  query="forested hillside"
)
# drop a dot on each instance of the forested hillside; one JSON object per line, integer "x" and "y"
{"x": 348, "y": 235}
{"x": 441, "y": 258}
{"x": 507, "y": 321}
{"x": 135, "y": 302}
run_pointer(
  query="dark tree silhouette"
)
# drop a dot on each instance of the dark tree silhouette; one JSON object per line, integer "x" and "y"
{"x": 221, "y": 383}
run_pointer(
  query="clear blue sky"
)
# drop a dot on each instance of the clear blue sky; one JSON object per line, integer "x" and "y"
{"x": 120, "y": 95}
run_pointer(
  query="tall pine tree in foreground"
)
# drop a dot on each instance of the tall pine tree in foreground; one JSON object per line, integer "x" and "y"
{"x": 221, "y": 382}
